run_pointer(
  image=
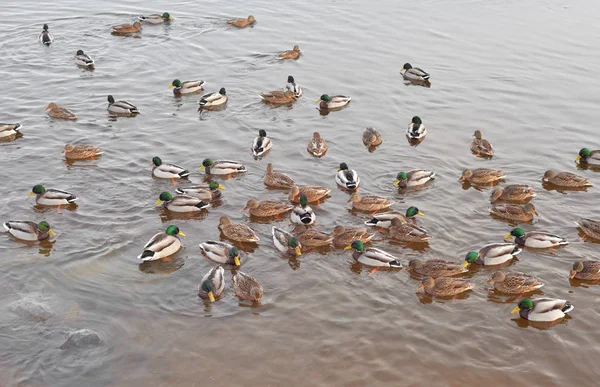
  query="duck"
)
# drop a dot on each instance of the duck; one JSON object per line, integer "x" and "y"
{"x": 237, "y": 232}
{"x": 515, "y": 282}
{"x": 167, "y": 171}
{"x": 384, "y": 219}
{"x": 335, "y": 102}
{"x": 371, "y": 137}
{"x": 293, "y": 86}
{"x": 589, "y": 227}
{"x": 212, "y": 284}
{"x": 246, "y": 288}
{"x": 121, "y": 107}
{"x": 278, "y": 97}
{"x": 543, "y": 309}
{"x": 536, "y": 239}
{"x": 407, "y": 232}
{"x": 285, "y": 242}
{"x": 51, "y": 197}
{"x": 585, "y": 270}
{"x": 372, "y": 256}
{"x": 181, "y": 203}
{"x": 29, "y": 231}
{"x": 81, "y": 152}
{"x": 481, "y": 176}
{"x": 222, "y": 167}
{"x": 9, "y": 130}
{"x": 186, "y": 87}
{"x": 416, "y": 130}
{"x": 303, "y": 214}
{"x": 241, "y": 23}
{"x": 347, "y": 178}
{"x": 46, "y": 37}
{"x": 317, "y": 146}
{"x": 343, "y": 236}
{"x": 162, "y": 245}
{"x": 513, "y": 193}
{"x": 566, "y": 179}
{"x": 205, "y": 193}
{"x": 290, "y": 54}
{"x": 514, "y": 212}
{"x": 156, "y": 18}
{"x": 492, "y": 254}
{"x": 445, "y": 286}
{"x": 370, "y": 203}
{"x": 435, "y": 268}
{"x": 313, "y": 193}
{"x": 267, "y": 208}
{"x": 310, "y": 238}
{"x": 213, "y": 100}
{"x": 261, "y": 144}
{"x": 277, "y": 179}
{"x": 82, "y": 59}
{"x": 588, "y": 157}
{"x": 60, "y": 113}
{"x": 126, "y": 29}
{"x": 414, "y": 73}
{"x": 414, "y": 178}
{"x": 481, "y": 146}
{"x": 221, "y": 253}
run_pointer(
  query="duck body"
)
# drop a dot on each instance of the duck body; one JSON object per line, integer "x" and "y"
{"x": 121, "y": 107}
{"x": 317, "y": 146}
{"x": 285, "y": 242}
{"x": 9, "y": 130}
{"x": 246, "y": 288}
{"x": 335, "y": 102}
{"x": 481, "y": 176}
{"x": 261, "y": 144}
{"x": 291, "y": 54}
{"x": 205, "y": 193}
{"x": 60, "y": 113}
{"x": 481, "y": 146}
{"x": 408, "y": 232}
{"x": 384, "y": 219}
{"x": 84, "y": 60}
{"x": 186, "y": 87}
{"x": 267, "y": 208}
{"x": 278, "y": 97}
{"x": 167, "y": 171}
{"x": 372, "y": 256}
{"x": 303, "y": 214}
{"x": 371, "y": 137}
{"x": 414, "y": 73}
{"x": 586, "y": 270}
{"x": 513, "y": 193}
{"x": 210, "y": 101}
{"x": 416, "y": 130}
{"x": 493, "y": 254}
{"x": 515, "y": 282}
{"x": 28, "y": 231}
{"x": 81, "y": 152}
{"x": 310, "y": 238}
{"x": 52, "y": 197}
{"x": 212, "y": 284}
{"x": 445, "y": 286}
{"x": 435, "y": 268}
{"x": 590, "y": 227}
{"x": 242, "y": 23}
{"x": 183, "y": 203}
{"x": 566, "y": 179}
{"x": 156, "y": 18}
{"x": 277, "y": 179}
{"x": 313, "y": 193}
{"x": 347, "y": 178}
{"x": 237, "y": 232}
{"x": 343, "y": 236}
{"x": 543, "y": 309}
{"x": 514, "y": 212}
{"x": 45, "y": 36}
{"x": 222, "y": 167}
{"x": 370, "y": 203}
{"x": 414, "y": 178}
{"x": 221, "y": 253}
{"x": 126, "y": 29}
{"x": 293, "y": 87}
{"x": 537, "y": 239}
{"x": 162, "y": 245}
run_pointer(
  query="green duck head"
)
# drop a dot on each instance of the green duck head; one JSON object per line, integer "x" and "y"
{"x": 176, "y": 83}
{"x": 303, "y": 200}
{"x": 470, "y": 258}
{"x": 164, "y": 197}
{"x": 583, "y": 154}
{"x": 235, "y": 255}
{"x": 213, "y": 186}
{"x": 524, "y": 304}
{"x": 416, "y": 120}
{"x": 223, "y": 91}
{"x": 295, "y": 244}
{"x": 356, "y": 245}
{"x": 325, "y": 98}
{"x": 406, "y": 66}
{"x": 207, "y": 287}
{"x": 44, "y": 226}
{"x": 411, "y": 212}
{"x": 37, "y": 190}
{"x": 173, "y": 231}
{"x": 45, "y": 27}
{"x": 515, "y": 232}
{"x": 400, "y": 178}
{"x": 156, "y": 161}
{"x": 166, "y": 16}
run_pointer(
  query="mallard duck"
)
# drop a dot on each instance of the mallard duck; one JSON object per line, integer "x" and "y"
{"x": 278, "y": 97}
{"x": 536, "y": 239}
{"x": 246, "y": 287}
{"x": 492, "y": 254}
{"x": 181, "y": 203}
{"x": 317, "y": 146}
{"x": 590, "y": 227}
{"x": 121, "y": 107}
{"x": 481, "y": 176}
{"x": 310, "y": 238}
{"x": 241, "y": 23}
{"x": 8, "y": 130}
{"x": 343, "y": 236}
{"x": 372, "y": 256}
{"x": 566, "y": 179}
{"x": 80, "y": 152}
{"x": 83, "y": 59}
{"x": 46, "y": 37}
{"x": 414, "y": 73}
{"x": 290, "y": 54}
{"x": 587, "y": 157}
{"x": 51, "y": 197}
{"x": 303, "y": 214}
{"x": 370, "y": 203}
{"x": 277, "y": 179}
{"x": 212, "y": 285}
{"x": 125, "y": 29}
{"x": 513, "y": 193}
{"x": 60, "y": 113}
{"x": 444, "y": 286}
{"x": 167, "y": 171}
{"x": 336, "y": 102}
{"x": 384, "y": 220}
{"x": 221, "y": 253}
{"x": 261, "y": 144}
{"x": 204, "y": 193}
{"x": 347, "y": 178}
{"x": 293, "y": 86}
{"x": 186, "y": 87}
{"x": 407, "y": 232}
{"x": 267, "y": 208}
{"x": 222, "y": 167}
{"x": 156, "y": 18}
{"x": 480, "y": 146}
{"x": 435, "y": 268}
{"x": 371, "y": 137}
{"x": 29, "y": 231}
{"x": 286, "y": 242}
{"x": 543, "y": 309}
{"x": 237, "y": 232}
{"x": 515, "y": 282}
{"x": 162, "y": 245}
{"x": 414, "y": 178}
{"x": 514, "y": 212}
{"x": 585, "y": 270}
{"x": 313, "y": 193}
{"x": 416, "y": 130}
{"x": 213, "y": 100}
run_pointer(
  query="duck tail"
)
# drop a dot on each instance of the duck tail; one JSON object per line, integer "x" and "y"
{"x": 72, "y": 198}
{"x": 146, "y": 255}
{"x": 516, "y": 250}
{"x": 185, "y": 173}
{"x": 202, "y": 205}
{"x": 373, "y": 222}
{"x": 6, "y": 226}
{"x": 568, "y": 307}
{"x": 179, "y": 190}
{"x": 396, "y": 264}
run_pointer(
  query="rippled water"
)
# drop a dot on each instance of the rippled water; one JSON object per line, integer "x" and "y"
{"x": 522, "y": 72}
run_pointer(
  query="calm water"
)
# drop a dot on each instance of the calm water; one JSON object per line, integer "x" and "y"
{"x": 522, "y": 72}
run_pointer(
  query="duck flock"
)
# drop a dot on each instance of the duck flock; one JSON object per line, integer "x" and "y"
{"x": 440, "y": 278}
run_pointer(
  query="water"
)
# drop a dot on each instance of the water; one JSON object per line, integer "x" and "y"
{"x": 520, "y": 72}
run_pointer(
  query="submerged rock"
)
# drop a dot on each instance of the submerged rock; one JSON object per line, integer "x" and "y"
{"x": 32, "y": 307}
{"x": 83, "y": 338}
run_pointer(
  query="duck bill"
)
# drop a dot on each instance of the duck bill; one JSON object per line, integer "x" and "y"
{"x": 515, "y": 310}
{"x": 420, "y": 213}
{"x": 201, "y": 168}
{"x": 171, "y": 86}
{"x": 298, "y": 251}
{"x": 490, "y": 280}
{"x": 236, "y": 260}
{"x": 31, "y": 193}
{"x": 420, "y": 287}
{"x": 181, "y": 234}
{"x": 397, "y": 182}
{"x": 51, "y": 232}
{"x": 578, "y": 158}
{"x": 211, "y": 296}
{"x": 461, "y": 179}
{"x": 348, "y": 248}
{"x": 151, "y": 163}
{"x": 63, "y": 152}
{"x": 221, "y": 187}
{"x": 508, "y": 236}
{"x": 465, "y": 264}
{"x": 572, "y": 274}
{"x": 319, "y": 100}
{"x": 402, "y": 69}
{"x": 158, "y": 202}
{"x": 170, "y": 18}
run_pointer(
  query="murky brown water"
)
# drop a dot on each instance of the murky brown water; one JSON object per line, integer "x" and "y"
{"x": 521, "y": 73}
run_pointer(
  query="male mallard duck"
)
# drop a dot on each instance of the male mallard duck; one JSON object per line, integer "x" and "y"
{"x": 371, "y": 137}
{"x": 46, "y": 37}
{"x": 181, "y": 203}
{"x": 416, "y": 130}
{"x": 29, "y": 231}
{"x": 536, "y": 239}
{"x": 8, "y": 130}
{"x": 60, "y": 113}
{"x": 167, "y": 171}
{"x": 414, "y": 178}
{"x": 267, "y": 208}
{"x": 313, "y": 193}
{"x": 590, "y": 227}
{"x": 514, "y": 212}
{"x": 293, "y": 86}
{"x": 278, "y": 97}
{"x": 313, "y": 238}
{"x": 210, "y": 101}
{"x": 481, "y": 176}
{"x": 83, "y": 59}
{"x": 414, "y": 73}
{"x": 372, "y": 256}
{"x": 407, "y": 232}
{"x": 445, "y": 287}
{"x": 261, "y": 144}
{"x": 212, "y": 285}
{"x": 303, "y": 214}
{"x": 336, "y": 102}
{"x": 566, "y": 179}
{"x": 51, "y": 197}
{"x": 221, "y": 253}
{"x": 317, "y": 146}
{"x": 480, "y": 146}
{"x": 435, "y": 268}
{"x": 241, "y": 23}
{"x": 125, "y": 29}
{"x": 515, "y": 282}
{"x": 204, "y": 193}
{"x": 80, "y": 152}
{"x": 286, "y": 242}
{"x": 162, "y": 245}
{"x": 513, "y": 193}
{"x": 585, "y": 270}
{"x": 237, "y": 232}
{"x": 370, "y": 203}
{"x": 343, "y": 236}
{"x": 492, "y": 254}
{"x": 587, "y": 157}
{"x": 222, "y": 167}
{"x": 384, "y": 220}
{"x": 156, "y": 18}
{"x": 277, "y": 179}
{"x": 186, "y": 87}
{"x": 347, "y": 178}
{"x": 121, "y": 107}
{"x": 543, "y": 309}
{"x": 290, "y": 54}
{"x": 246, "y": 287}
